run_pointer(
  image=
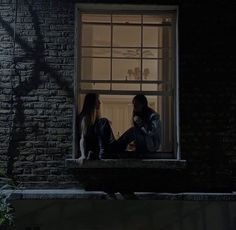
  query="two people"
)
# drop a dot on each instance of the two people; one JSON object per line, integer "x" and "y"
{"x": 97, "y": 140}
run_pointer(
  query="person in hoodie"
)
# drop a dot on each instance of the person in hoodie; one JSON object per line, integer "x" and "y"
{"x": 146, "y": 130}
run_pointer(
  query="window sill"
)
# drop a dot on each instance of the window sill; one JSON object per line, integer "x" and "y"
{"x": 128, "y": 163}
{"x": 80, "y": 194}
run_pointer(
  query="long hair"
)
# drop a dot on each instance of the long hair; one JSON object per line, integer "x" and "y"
{"x": 89, "y": 111}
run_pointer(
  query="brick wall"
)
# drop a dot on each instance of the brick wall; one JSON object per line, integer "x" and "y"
{"x": 207, "y": 90}
{"x": 36, "y": 90}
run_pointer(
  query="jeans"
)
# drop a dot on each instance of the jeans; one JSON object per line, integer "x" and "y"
{"x": 136, "y": 135}
{"x": 111, "y": 148}
{"x": 106, "y": 139}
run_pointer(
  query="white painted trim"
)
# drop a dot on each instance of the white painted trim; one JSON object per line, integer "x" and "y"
{"x": 75, "y": 143}
{"x": 124, "y": 7}
{"x": 135, "y": 8}
{"x": 177, "y": 124}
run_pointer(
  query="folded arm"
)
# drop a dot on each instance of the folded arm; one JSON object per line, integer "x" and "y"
{"x": 152, "y": 128}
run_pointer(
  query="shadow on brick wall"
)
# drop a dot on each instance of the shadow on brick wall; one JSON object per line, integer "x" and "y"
{"x": 36, "y": 55}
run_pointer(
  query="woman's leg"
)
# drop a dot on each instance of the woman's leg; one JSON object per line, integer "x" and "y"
{"x": 133, "y": 134}
{"x": 127, "y": 137}
{"x": 107, "y": 141}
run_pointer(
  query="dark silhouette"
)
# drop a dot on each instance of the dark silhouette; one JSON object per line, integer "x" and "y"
{"x": 146, "y": 130}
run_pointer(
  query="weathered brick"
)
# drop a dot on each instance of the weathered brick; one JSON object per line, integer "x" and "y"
{"x": 42, "y": 109}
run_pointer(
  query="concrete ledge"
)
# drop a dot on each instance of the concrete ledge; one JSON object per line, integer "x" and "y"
{"x": 79, "y": 194}
{"x": 128, "y": 163}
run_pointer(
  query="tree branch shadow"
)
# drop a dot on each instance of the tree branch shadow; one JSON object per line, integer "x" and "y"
{"x": 36, "y": 54}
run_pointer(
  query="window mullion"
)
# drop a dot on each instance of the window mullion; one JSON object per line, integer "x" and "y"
{"x": 111, "y": 52}
{"x": 141, "y": 54}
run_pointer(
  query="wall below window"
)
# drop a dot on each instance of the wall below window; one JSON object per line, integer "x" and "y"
{"x": 36, "y": 92}
{"x": 124, "y": 215}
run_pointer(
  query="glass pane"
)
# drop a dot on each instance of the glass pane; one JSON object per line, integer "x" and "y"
{"x": 96, "y": 52}
{"x": 126, "y": 19}
{"x": 128, "y": 87}
{"x": 118, "y": 109}
{"x": 152, "y": 36}
{"x": 95, "y": 68}
{"x": 96, "y": 18}
{"x": 80, "y": 101}
{"x": 152, "y": 53}
{"x": 126, "y": 53}
{"x": 165, "y": 86}
{"x": 127, "y": 36}
{"x": 96, "y": 35}
{"x": 157, "y": 19}
{"x": 153, "y": 102}
{"x": 126, "y": 69}
{"x": 94, "y": 86}
{"x": 149, "y": 87}
{"x": 149, "y": 69}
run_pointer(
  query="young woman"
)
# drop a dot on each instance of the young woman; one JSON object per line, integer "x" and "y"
{"x": 96, "y": 137}
{"x": 146, "y": 130}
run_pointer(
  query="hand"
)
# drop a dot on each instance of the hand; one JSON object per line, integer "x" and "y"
{"x": 80, "y": 160}
{"x": 138, "y": 121}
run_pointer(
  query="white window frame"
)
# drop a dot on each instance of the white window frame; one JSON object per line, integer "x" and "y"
{"x": 105, "y": 8}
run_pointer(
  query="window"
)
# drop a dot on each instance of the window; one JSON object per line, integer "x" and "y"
{"x": 125, "y": 52}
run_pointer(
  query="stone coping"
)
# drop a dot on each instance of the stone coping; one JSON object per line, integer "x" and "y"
{"x": 128, "y": 163}
{"x": 80, "y": 194}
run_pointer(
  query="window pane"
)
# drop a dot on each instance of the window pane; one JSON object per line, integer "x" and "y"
{"x": 153, "y": 70}
{"x": 94, "y": 86}
{"x": 157, "y": 19}
{"x": 96, "y": 35}
{"x": 126, "y": 19}
{"x": 96, "y": 52}
{"x": 96, "y": 18}
{"x": 126, "y": 69}
{"x": 95, "y": 68}
{"x": 150, "y": 70}
{"x": 152, "y": 53}
{"x": 152, "y": 36}
{"x": 127, "y": 36}
{"x": 165, "y": 86}
{"x": 149, "y": 87}
{"x": 118, "y": 109}
{"x": 126, "y": 87}
{"x": 122, "y": 58}
{"x": 126, "y": 53}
